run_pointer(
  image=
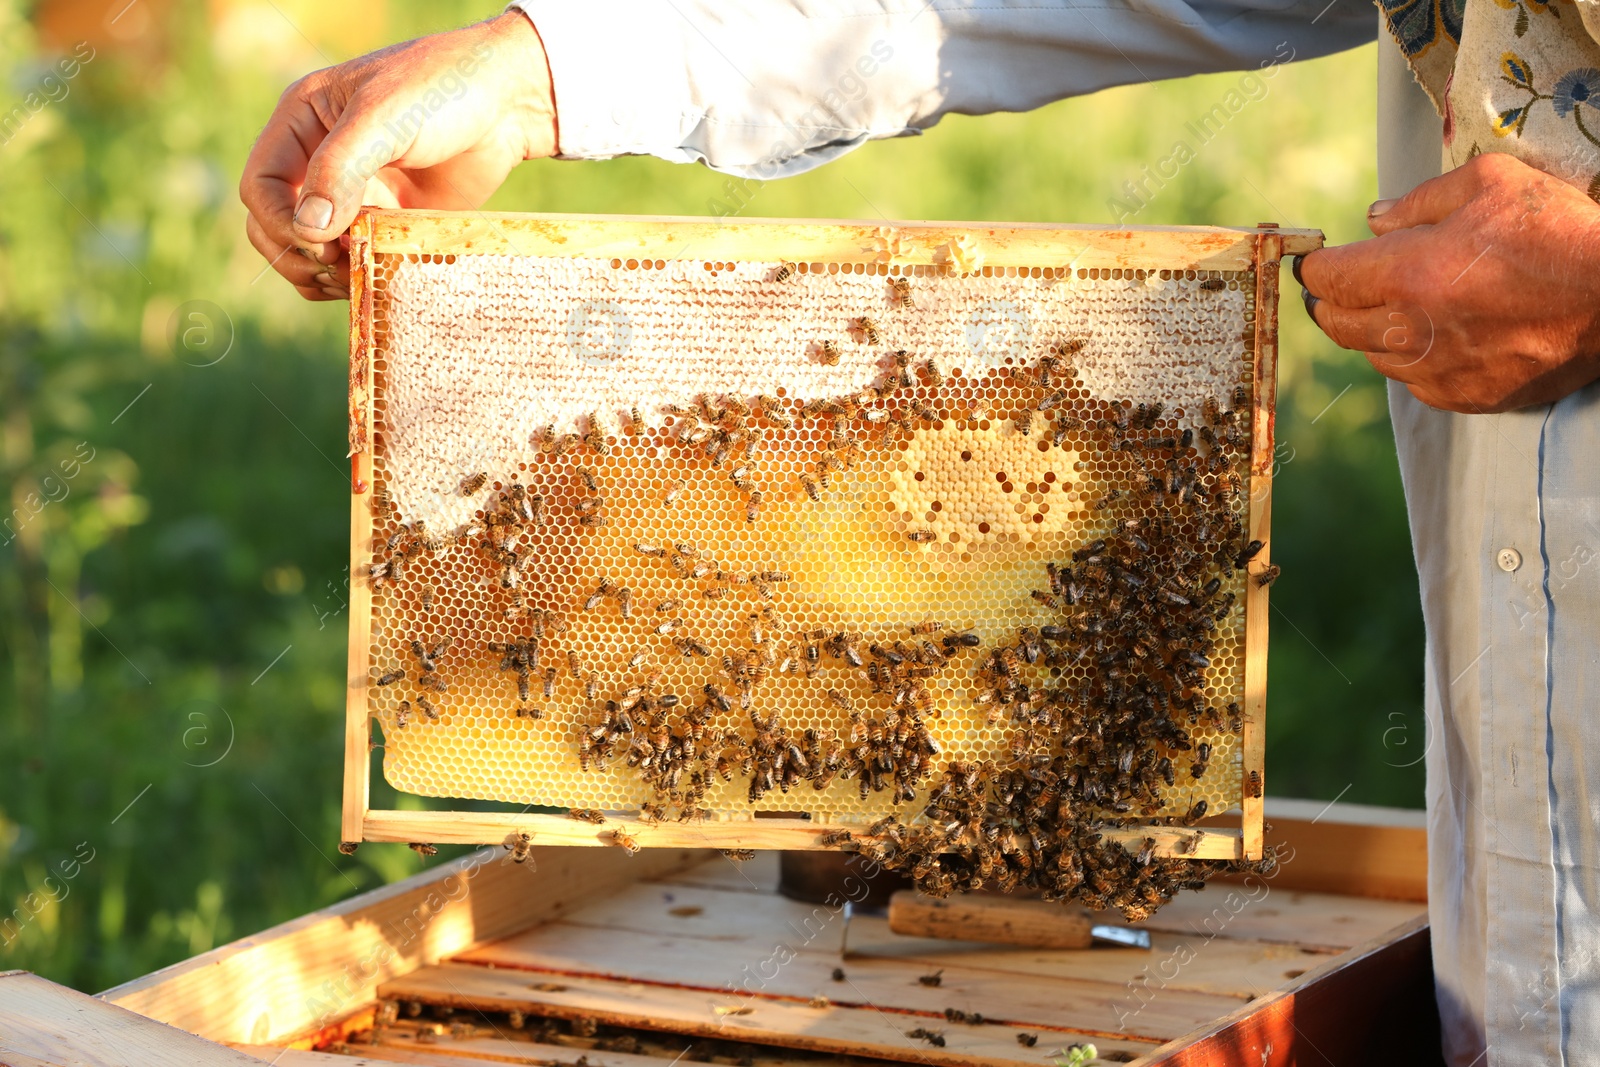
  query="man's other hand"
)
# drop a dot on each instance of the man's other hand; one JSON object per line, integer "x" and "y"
{"x": 1480, "y": 292}
{"x": 435, "y": 123}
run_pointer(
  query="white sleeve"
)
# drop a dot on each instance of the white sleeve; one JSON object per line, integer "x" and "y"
{"x": 769, "y": 88}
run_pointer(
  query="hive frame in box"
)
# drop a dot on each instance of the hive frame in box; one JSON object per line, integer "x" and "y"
{"x": 1031, "y": 245}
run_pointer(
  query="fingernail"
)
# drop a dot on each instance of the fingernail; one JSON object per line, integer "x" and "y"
{"x": 1311, "y": 302}
{"x": 1381, "y": 207}
{"x": 1294, "y": 268}
{"x": 314, "y": 213}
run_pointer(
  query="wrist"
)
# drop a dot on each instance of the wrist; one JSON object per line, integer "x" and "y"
{"x": 529, "y": 91}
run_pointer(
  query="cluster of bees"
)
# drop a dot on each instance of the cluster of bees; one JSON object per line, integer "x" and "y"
{"x": 1103, "y": 703}
{"x": 676, "y": 748}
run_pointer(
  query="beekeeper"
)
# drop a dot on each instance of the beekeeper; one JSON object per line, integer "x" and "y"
{"x": 1478, "y": 297}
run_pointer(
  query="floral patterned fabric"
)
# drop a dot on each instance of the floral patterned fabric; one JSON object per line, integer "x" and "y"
{"x": 1517, "y": 76}
{"x": 1429, "y": 35}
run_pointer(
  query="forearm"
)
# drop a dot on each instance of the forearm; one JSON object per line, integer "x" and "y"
{"x": 775, "y": 87}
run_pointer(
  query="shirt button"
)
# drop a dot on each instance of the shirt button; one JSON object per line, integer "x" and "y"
{"x": 1509, "y": 559}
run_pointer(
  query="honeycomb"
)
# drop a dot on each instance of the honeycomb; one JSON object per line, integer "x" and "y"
{"x": 562, "y": 516}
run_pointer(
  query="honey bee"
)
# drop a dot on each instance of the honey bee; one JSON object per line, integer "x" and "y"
{"x": 592, "y": 522}
{"x": 1253, "y": 784}
{"x": 841, "y": 700}
{"x": 1027, "y": 1040}
{"x": 1024, "y": 421}
{"x": 472, "y": 483}
{"x": 920, "y": 537}
{"x": 391, "y": 677}
{"x": 637, "y": 660}
{"x": 624, "y": 598}
{"x": 668, "y": 605}
{"x": 811, "y": 486}
{"x": 590, "y": 482}
{"x": 752, "y": 507}
{"x": 622, "y": 840}
{"x": 1197, "y": 812}
{"x": 674, "y": 491}
{"x": 519, "y": 844}
{"x": 827, "y": 353}
{"x": 902, "y": 291}
{"x": 1241, "y": 397}
{"x": 427, "y": 708}
{"x": 589, "y": 815}
{"x": 598, "y": 597}
{"x": 402, "y": 714}
{"x": 526, "y": 712}
{"x": 739, "y": 855}
{"x": 690, "y": 647}
{"x": 422, "y": 849}
{"x": 933, "y": 979}
{"x": 867, "y": 329}
{"x": 348, "y": 848}
{"x": 594, "y": 438}
{"x": 1212, "y": 285}
{"x": 1268, "y": 576}
{"x": 1188, "y": 846}
{"x": 433, "y": 682}
{"x": 772, "y": 410}
{"x": 784, "y": 273}
{"x": 832, "y": 838}
{"x": 932, "y": 1037}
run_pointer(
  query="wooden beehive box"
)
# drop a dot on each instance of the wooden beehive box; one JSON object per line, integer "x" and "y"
{"x": 592, "y": 957}
{"x": 686, "y": 522}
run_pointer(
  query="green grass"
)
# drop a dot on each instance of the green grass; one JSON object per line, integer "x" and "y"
{"x": 179, "y": 600}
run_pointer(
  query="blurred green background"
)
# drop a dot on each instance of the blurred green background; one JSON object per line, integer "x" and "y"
{"x": 171, "y": 582}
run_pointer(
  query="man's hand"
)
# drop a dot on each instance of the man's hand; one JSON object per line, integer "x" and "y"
{"x": 438, "y": 122}
{"x": 1480, "y": 292}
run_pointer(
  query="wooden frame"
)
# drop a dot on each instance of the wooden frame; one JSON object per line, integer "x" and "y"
{"x": 909, "y": 243}
{"x": 315, "y": 979}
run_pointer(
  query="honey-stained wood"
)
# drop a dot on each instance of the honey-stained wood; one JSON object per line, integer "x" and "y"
{"x": 457, "y": 1052}
{"x": 295, "y": 1057}
{"x": 298, "y": 977}
{"x": 477, "y": 827}
{"x": 1264, "y": 389}
{"x": 1350, "y": 848}
{"x": 358, "y": 730}
{"x": 821, "y": 240}
{"x": 1231, "y": 941}
{"x": 505, "y": 1048}
{"x": 877, "y": 1030}
{"x": 759, "y": 973}
{"x": 1371, "y": 1005}
{"x": 997, "y": 919}
{"x": 357, "y": 721}
{"x": 45, "y": 1023}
